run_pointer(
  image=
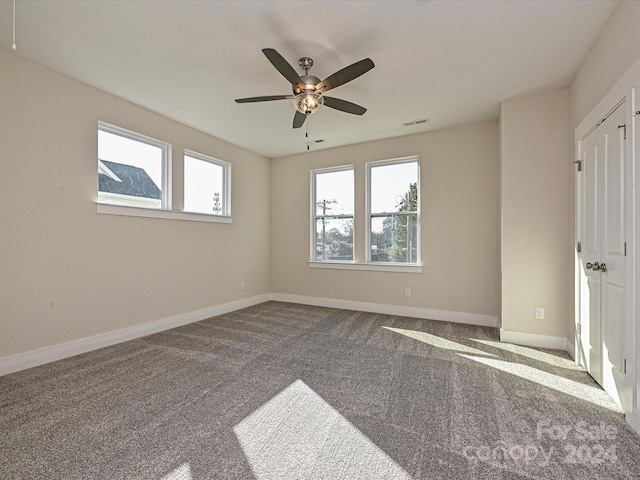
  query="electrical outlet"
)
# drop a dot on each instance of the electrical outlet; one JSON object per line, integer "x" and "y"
{"x": 407, "y": 292}
{"x": 242, "y": 285}
{"x": 539, "y": 313}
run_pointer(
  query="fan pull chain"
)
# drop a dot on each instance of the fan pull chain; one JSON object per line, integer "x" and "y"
{"x": 307, "y": 134}
{"x": 13, "y": 45}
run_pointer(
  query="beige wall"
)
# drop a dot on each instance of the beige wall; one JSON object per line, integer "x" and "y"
{"x": 460, "y": 223}
{"x": 68, "y": 273}
{"x": 534, "y": 175}
{"x": 614, "y": 52}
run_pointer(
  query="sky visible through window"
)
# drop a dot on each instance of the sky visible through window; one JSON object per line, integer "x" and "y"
{"x": 389, "y": 184}
{"x": 337, "y": 189}
{"x": 202, "y": 181}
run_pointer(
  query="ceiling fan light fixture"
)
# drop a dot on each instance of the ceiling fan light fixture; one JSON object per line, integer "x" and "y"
{"x": 308, "y": 102}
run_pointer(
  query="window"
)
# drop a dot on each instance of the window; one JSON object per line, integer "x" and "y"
{"x": 394, "y": 211}
{"x": 134, "y": 179}
{"x": 333, "y": 205}
{"x": 132, "y": 169}
{"x": 206, "y": 185}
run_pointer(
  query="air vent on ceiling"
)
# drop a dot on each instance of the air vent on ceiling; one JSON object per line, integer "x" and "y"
{"x": 415, "y": 122}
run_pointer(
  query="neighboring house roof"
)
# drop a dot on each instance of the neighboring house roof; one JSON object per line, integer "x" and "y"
{"x": 126, "y": 180}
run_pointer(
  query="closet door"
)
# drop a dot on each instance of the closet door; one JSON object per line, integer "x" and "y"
{"x": 590, "y": 351}
{"x": 613, "y": 262}
{"x": 602, "y": 269}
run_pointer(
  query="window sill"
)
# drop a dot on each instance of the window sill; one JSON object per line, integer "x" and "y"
{"x": 107, "y": 209}
{"x": 372, "y": 267}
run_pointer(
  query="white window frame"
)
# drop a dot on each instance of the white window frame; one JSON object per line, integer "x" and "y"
{"x": 314, "y": 216}
{"x": 165, "y": 202}
{"x": 226, "y": 182}
{"x": 369, "y": 214}
{"x": 165, "y": 212}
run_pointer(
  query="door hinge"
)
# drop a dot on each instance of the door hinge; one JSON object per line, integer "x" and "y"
{"x": 625, "y": 367}
{"x": 579, "y": 329}
{"x": 579, "y": 162}
{"x": 624, "y": 125}
{"x": 625, "y": 249}
{"x": 579, "y": 247}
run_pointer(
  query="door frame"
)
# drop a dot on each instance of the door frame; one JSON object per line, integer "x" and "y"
{"x": 625, "y": 90}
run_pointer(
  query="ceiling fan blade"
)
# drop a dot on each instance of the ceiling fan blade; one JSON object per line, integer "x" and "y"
{"x": 284, "y": 67}
{"x": 345, "y": 75}
{"x": 263, "y": 99}
{"x": 343, "y": 105}
{"x": 298, "y": 119}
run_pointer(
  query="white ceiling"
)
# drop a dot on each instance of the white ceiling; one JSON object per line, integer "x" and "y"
{"x": 449, "y": 61}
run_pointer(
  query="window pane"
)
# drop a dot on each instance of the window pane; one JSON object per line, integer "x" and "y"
{"x": 129, "y": 171}
{"x": 334, "y": 239}
{"x": 394, "y": 238}
{"x": 394, "y": 188}
{"x": 334, "y": 193}
{"x": 204, "y": 186}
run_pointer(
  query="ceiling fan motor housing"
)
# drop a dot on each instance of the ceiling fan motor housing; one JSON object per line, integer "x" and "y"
{"x": 310, "y": 82}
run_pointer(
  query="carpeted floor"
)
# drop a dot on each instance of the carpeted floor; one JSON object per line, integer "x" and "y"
{"x": 283, "y": 391}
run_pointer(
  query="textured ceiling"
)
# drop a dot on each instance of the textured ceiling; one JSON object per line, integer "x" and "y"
{"x": 451, "y": 62}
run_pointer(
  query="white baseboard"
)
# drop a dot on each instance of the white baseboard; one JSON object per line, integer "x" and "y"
{"x": 633, "y": 419}
{"x": 570, "y": 348}
{"x": 537, "y": 340}
{"x": 35, "y": 358}
{"x": 425, "y": 313}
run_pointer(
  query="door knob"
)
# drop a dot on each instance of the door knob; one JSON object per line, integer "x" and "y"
{"x": 595, "y": 266}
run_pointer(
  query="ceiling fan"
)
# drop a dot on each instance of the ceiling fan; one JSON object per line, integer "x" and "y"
{"x": 308, "y": 91}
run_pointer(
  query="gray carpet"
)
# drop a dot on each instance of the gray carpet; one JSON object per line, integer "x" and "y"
{"x": 283, "y": 391}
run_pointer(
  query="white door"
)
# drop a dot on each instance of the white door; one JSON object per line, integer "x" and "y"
{"x": 603, "y": 275}
{"x": 590, "y": 352}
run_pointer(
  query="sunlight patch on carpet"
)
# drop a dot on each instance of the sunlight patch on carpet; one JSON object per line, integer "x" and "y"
{"x": 436, "y": 341}
{"x": 588, "y": 393}
{"x": 553, "y": 360}
{"x": 298, "y": 435}
{"x": 183, "y": 472}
